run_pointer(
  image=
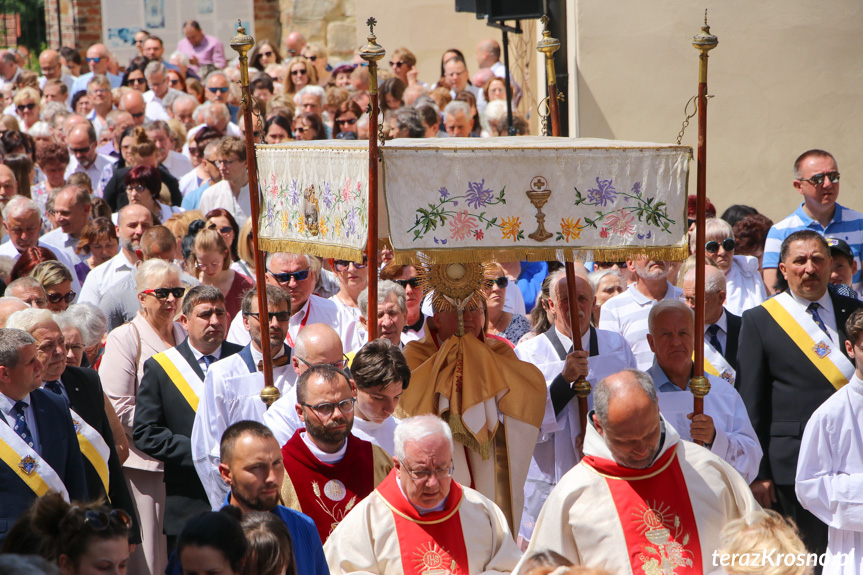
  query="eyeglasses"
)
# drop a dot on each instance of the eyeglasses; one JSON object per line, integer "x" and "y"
{"x": 58, "y": 297}
{"x": 501, "y": 282}
{"x": 22, "y": 107}
{"x": 94, "y": 60}
{"x": 100, "y": 521}
{"x": 174, "y": 82}
{"x": 138, "y": 115}
{"x": 424, "y": 475}
{"x": 224, "y": 230}
{"x": 279, "y": 315}
{"x": 220, "y": 90}
{"x": 225, "y": 163}
{"x": 267, "y": 54}
{"x": 311, "y": 58}
{"x": 336, "y": 364}
{"x": 342, "y": 265}
{"x": 301, "y": 130}
{"x": 287, "y": 276}
{"x": 327, "y": 409}
{"x": 98, "y": 91}
{"x": 137, "y": 80}
{"x": 61, "y": 213}
{"x": 194, "y": 151}
{"x": 608, "y": 265}
{"x": 136, "y": 188}
{"x": 818, "y": 179}
{"x": 81, "y": 150}
{"x": 396, "y": 64}
{"x": 163, "y": 293}
{"x": 298, "y": 72}
{"x": 348, "y": 122}
{"x": 413, "y": 282}
{"x": 712, "y": 247}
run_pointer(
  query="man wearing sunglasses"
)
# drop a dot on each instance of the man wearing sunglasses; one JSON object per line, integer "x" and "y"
{"x": 232, "y": 387}
{"x": 170, "y": 390}
{"x": 97, "y": 59}
{"x": 83, "y": 157}
{"x": 420, "y": 516}
{"x": 329, "y": 470}
{"x": 294, "y": 274}
{"x": 816, "y": 178}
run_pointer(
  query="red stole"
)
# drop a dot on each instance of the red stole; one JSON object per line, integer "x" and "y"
{"x": 327, "y": 491}
{"x": 432, "y": 543}
{"x": 655, "y": 514}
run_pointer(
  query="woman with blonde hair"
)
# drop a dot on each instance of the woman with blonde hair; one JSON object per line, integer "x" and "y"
{"x": 212, "y": 260}
{"x": 56, "y": 279}
{"x": 27, "y": 103}
{"x": 246, "y": 250}
{"x": 759, "y": 534}
{"x": 300, "y": 73}
{"x": 501, "y": 323}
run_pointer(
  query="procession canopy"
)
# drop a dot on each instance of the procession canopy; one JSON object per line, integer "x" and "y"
{"x": 315, "y": 198}
{"x": 535, "y": 198}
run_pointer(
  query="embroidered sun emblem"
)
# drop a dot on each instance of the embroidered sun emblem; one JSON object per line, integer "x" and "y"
{"x": 28, "y": 465}
{"x": 431, "y": 559}
{"x": 335, "y": 490}
{"x": 821, "y": 349}
{"x": 666, "y": 537}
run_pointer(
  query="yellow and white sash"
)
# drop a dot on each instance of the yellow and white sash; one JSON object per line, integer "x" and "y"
{"x": 28, "y": 465}
{"x": 716, "y": 364}
{"x": 181, "y": 374}
{"x": 824, "y": 354}
{"x": 93, "y": 447}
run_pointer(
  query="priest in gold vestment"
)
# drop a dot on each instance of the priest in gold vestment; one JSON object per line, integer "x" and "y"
{"x": 420, "y": 521}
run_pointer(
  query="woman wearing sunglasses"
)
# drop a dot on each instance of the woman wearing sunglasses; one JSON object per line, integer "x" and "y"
{"x": 300, "y": 74}
{"x": 346, "y": 117}
{"x": 57, "y": 281}
{"x": 153, "y": 330}
{"x": 744, "y": 287}
{"x": 134, "y": 75}
{"x": 406, "y": 276}
{"x": 353, "y": 279}
{"x": 81, "y": 538}
{"x": 212, "y": 262}
{"x": 503, "y": 323}
{"x": 27, "y": 106}
{"x": 263, "y": 54}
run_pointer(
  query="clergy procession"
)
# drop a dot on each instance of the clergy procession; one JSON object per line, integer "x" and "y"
{"x": 430, "y": 348}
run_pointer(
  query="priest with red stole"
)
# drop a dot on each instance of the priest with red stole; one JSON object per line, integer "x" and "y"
{"x": 641, "y": 500}
{"x": 328, "y": 469}
{"x": 419, "y": 520}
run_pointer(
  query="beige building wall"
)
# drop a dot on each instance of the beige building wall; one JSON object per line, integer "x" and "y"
{"x": 786, "y": 77}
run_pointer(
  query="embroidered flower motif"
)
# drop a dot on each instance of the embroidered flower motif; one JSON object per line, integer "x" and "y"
{"x": 478, "y": 235}
{"x": 477, "y": 196}
{"x": 462, "y": 225}
{"x": 322, "y": 226}
{"x": 620, "y": 223}
{"x": 569, "y": 229}
{"x": 603, "y": 194}
{"x": 328, "y": 196}
{"x": 603, "y": 233}
{"x": 294, "y": 192}
{"x": 301, "y": 226}
{"x": 444, "y": 193}
{"x": 351, "y": 223}
{"x": 346, "y": 190}
{"x": 511, "y": 227}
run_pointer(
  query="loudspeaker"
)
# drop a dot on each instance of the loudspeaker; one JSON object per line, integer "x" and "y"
{"x": 477, "y": 7}
{"x": 514, "y": 9}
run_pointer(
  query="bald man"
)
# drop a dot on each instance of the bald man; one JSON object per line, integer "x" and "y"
{"x": 133, "y": 103}
{"x": 97, "y": 59}
{"x": 52, "y": 69}
{"x": 8, "y": 306}
{"x": 294, "y": 44}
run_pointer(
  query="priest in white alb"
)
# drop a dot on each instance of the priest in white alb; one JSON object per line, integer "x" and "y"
{"x": 419, "y": 520}
{"x": 603, "y": 353}
{"x": 829, "y": 480}
{"x": 641, "y": 500}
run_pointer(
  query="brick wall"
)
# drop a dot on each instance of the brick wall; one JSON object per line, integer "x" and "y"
{"x": 267, "y": 21}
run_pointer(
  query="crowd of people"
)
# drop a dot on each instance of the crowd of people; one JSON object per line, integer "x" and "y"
{"x": 131, "y": 352}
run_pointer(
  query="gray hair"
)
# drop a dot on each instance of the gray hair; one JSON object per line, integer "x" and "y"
{"x": 184, "y": 98}
{"x": 664, "y": 306}
{"x": 28, "y": 319}
{"x": 215, "y": 111}
{"x": 152, "y": 270}
{"x": 385, "y": 288}
{"x": 99, "y": 80}
{"x": 154, "y": 68}
{"x": 713, "y": 282}
{"x": 420, "y": 427}
{"x": 12, "y": 340}
{"x": 602, "y": 394}
{"x": 6, "y": 265}
{"x": 19, "y": 206}
{"x": 181, "y": 58}
{"x": 50, "y": 111}
{"x": 455, "y": 107}
{"x": 717, "y": 227}
{"x": 89, "y": 319}
{"x": 596, "y": 277}
{"x": 40, "y": 129}
{"x": 24, "y": 282}
{"x": 171, "y": 97}
{"x": 410, "y": 120}
{"x": 315, "y": 91}
{"x": 426, "y": 100}
{"x": 216, "y": 73}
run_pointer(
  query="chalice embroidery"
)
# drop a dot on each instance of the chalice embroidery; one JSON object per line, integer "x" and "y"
{"x": 538, "y": 196}
{"x": 667, "y": 549}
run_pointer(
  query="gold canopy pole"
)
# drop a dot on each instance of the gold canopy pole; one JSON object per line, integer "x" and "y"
{"x": 371, "y": 53}
{"x": 581, "y": 386}
{"x": 700, "y": 387}
{"x": 242, "y": 43}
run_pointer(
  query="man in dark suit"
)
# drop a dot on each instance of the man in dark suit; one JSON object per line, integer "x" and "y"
{"x": 48, "y": 446}
{"x": 168, "y": 399}
{"x": 721, "y": 327}
{"x": 783, "y": 378}
{"x": 81, "y": 390}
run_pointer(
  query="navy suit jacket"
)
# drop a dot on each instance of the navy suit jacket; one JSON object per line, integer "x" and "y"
{"x": 59, "y": 444}
{"x": 163, "y": 430}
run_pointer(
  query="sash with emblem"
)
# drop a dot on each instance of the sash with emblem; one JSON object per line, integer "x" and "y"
{"x": 824, "y": 354}
{"x": 28, "y": 465}
{"x": 326, "y": 492}
{"x": 432, "y": 543}
{"x": 93, "y": 448}
{"x": 716, "y": 364}
{"x": 181, "y": 374}
{"x": 655, "y": 514}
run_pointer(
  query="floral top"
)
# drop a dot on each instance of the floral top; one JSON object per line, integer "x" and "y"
{"x": 518, "y": 326}
{"x": 39, "y": 193}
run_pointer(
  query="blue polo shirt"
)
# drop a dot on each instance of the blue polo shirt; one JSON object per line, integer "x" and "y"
{"x": 846, "y": 224}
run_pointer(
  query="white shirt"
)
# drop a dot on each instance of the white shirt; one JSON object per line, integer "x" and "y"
{"x": 626, "y": 313}
{"x": 103, "y": 277}
{"x": 217, "y": 354}
{"x": 744, "y": 287}
{"x": 190, "y": 182}
{"x": 57, "y": 239}
{"x": 829, "y": 481}
{"x": 825, "y": 312}
{"x": 323, "y": 456}
{"x": 219, "y": 195}
{"x": 721, "y": 334}
{"x": 231, "y": 130}
{"x": 318, "y": 310}
{"x": 178, "y": 165}
{"x": 9, "y": 249}
{"x": 94, "y": 171}
{"x": 7, "y": 406}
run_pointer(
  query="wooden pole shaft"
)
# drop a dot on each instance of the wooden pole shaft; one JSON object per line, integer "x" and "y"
{"x": 372, "y": 247}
